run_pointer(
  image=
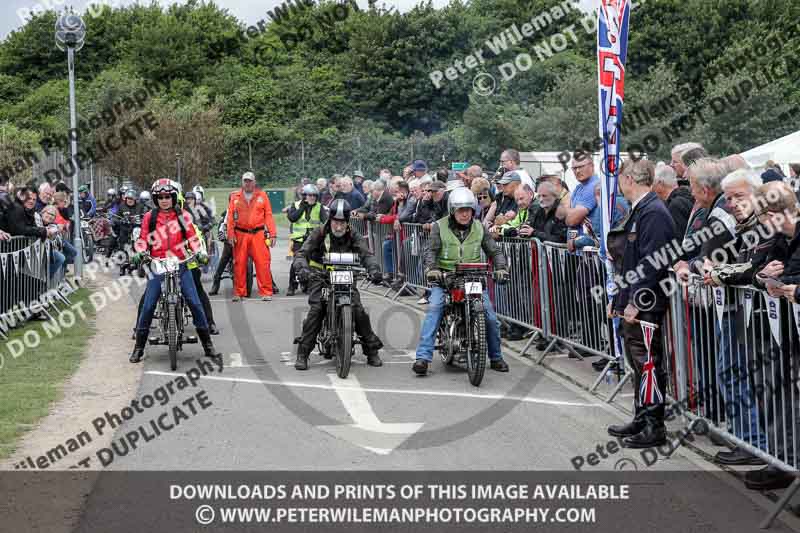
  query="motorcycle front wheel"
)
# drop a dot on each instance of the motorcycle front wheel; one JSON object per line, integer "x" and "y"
{"x": 88, "y": 246}
{"x": 476, "y": 349}
{"x": 344, "y": 342}
{"x": 172, "y": 335}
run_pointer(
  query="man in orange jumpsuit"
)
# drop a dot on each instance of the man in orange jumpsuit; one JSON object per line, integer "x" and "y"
{"x": 249, "y": 222}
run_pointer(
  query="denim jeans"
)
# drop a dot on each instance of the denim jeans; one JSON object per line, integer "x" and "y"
{"x": 388, "y": 256}
{"x": 427, "y": 339}
{"x": 741, "y": 408}
{"x": 69, "y": 252}
{"x": 153, "y": 292}
{"x": 56, "y": 262}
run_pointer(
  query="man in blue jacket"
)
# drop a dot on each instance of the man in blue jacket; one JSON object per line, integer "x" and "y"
{"x": 649, "y": 230}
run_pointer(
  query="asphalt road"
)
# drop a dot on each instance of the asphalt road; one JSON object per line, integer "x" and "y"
{"x": 378, "y": 418}
{"x": 265, "y": 415}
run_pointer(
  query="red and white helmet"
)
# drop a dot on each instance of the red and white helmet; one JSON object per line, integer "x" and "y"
{"x": 162, "y": 186}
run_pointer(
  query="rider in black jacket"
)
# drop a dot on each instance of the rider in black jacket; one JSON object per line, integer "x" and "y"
{"x": 336, "y": 236}
{"x": 124, "y": 222}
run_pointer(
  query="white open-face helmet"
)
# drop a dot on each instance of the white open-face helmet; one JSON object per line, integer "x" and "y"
{"x": 461, "y": 197}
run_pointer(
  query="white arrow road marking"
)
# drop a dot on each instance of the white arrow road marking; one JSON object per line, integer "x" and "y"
{"x": 368, "y": 431}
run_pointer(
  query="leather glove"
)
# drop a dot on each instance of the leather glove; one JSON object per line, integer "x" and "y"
{"x": 434, "y": 276}
{"x": 376, "y": 278}
{"x": 202, "y": 258}
{"x": 303, "y": 275}
{"x": 500, "y": 276}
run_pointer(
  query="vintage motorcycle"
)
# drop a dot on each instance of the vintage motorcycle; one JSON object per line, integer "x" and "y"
{"x": 172, "y": 312}
{"x": 337, "y": 338}
{"x": 461, "y": 338}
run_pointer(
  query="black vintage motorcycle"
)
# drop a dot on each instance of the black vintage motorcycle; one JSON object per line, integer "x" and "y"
{"x": 337, "y": 338}
{"x": 461, "y": 338}
{"x": 172, "y": 311}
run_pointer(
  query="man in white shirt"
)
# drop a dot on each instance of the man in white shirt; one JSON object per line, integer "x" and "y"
{"x": 510, "y": 161}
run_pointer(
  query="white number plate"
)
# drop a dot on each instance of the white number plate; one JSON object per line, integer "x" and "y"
{"x": 341, "y": 277}
{"x": 473, "y": 287}
{"x": 162, "y": 266}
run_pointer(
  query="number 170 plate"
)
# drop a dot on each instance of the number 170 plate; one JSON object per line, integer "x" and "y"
{"x": 473, "y": 287}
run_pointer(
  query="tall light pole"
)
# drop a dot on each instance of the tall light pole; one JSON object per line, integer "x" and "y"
{"x": 70, "y": 35}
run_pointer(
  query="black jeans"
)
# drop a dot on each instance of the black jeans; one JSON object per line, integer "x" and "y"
{"x": 201, "y": 292}
{"x": 296, "y": 245}
{"x": 225, "y": 258}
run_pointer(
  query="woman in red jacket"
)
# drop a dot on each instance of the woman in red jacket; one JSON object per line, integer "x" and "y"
{"x": 168, "y": 230}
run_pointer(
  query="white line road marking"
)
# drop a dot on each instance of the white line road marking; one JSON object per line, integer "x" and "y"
{"x": 368, "y": 431}
{"x": 413, "y": 392}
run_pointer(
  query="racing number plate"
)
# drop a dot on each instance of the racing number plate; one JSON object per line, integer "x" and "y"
{"x": 163, "y": 266}
{"x": 341, "y": 277}
{"x": 473, "y": 287}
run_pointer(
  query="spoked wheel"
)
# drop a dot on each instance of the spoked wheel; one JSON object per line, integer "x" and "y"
{"x": 88, "y": 247}
{"x": 249, "y": 279}
{"x": 172, "y": 335}
{"x": 344, "y": 342}
{"x": 476, "y": 356}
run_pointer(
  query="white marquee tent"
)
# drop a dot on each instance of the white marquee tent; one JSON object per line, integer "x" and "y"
{"x": 783, "y": 151}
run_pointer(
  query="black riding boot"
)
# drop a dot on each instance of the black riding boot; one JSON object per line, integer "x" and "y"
{"x": 138, "y": 350}
{"x": 208, "y": 346}
{"x": 214, "y": 287}
{"x": 631, "y": 428}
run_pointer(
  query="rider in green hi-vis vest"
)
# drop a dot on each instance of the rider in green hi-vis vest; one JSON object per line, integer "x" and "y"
{"x": 456, "y": 239}
{"x": 305, "y": 215}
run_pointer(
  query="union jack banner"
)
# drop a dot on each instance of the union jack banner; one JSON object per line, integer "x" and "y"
{"x": 649, "y": 393}
{"x": 612, "y": 51}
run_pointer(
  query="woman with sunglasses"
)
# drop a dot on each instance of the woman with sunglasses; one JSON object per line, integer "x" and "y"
{"x": 168, "y": 230}
{"x": 483, "y": 193}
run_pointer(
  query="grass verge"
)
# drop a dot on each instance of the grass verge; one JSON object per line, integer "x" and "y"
{"x": 30, "y": 383}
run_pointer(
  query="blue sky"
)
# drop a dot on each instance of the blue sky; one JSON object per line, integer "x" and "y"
{"x": 249, "y": 11}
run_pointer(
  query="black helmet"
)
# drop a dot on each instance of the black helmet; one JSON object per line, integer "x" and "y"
{"x": 340, "y": 210}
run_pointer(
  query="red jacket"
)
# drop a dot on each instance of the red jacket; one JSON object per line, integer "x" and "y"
{"x": 167, "y": 235}
{"x": 390, "y": 218}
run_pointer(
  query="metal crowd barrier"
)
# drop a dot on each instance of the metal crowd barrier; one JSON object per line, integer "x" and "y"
{"x": 579, "y": 319}
{"x": 411, "y": 255}
{"x": 549, "y": 291}
{"x": 519, "y": 300}
{"x": 27, "y": 286}
{"x": 732, "y": 353}
{"x": 733, "y": 361}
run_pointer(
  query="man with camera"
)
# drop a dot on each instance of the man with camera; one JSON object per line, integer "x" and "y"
{"x": 305, "y": 215}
